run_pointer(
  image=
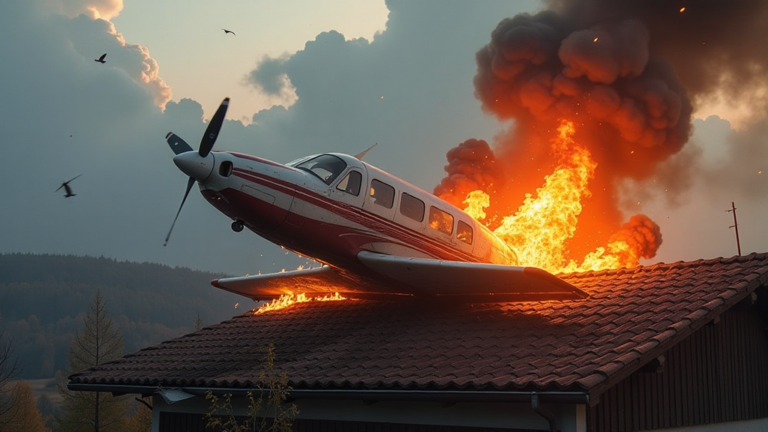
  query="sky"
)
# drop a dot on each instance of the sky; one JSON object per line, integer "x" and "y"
{"x": 304, "y": 77}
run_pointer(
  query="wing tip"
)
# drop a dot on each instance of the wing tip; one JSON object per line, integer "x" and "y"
{"x": 546, "y": 276}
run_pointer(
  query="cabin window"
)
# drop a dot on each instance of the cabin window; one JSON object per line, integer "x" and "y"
{"x": 440, "y": 220}
{"x": 464, "y": 232}
{"x": 351, "y": 183}
{"x": 412, "y": 207}
{"x": 325, "y": 167}
{"x": 382, "y": 194}
{"x": 225, "y": 169}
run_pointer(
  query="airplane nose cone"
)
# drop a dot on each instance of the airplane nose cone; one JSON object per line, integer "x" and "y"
{"x": 194, "y": 165}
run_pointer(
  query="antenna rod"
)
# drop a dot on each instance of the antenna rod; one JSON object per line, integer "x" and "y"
{"x": 735, "y": 225}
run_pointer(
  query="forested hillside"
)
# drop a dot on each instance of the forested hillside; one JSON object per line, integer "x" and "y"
{"x": 43, "y": 299}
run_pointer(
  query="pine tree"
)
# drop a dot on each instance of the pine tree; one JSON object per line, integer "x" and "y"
{"x": 26, "y": 417}
{"x": 97, "y": 343}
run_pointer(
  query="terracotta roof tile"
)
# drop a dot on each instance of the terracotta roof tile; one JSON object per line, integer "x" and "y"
{"x": 631, "y": 317}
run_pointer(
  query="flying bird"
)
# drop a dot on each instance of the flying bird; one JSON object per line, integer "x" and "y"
{"x": 66, "y": 187}
{"x": 101, "y": 59}
{"x": 229, "y": 31}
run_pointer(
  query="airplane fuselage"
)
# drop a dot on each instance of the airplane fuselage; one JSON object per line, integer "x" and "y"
{"x": 378, "y": 236}
{"x": 330, "y": 207}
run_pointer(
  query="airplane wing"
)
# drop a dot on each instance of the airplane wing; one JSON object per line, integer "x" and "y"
{"x": 410, "y": 277}
{"x": 471, "y": 281}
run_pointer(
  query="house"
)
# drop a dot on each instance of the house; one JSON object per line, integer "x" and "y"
{"x": 663, "y": 346}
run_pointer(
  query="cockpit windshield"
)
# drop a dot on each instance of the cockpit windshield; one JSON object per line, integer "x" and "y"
{"x": 325, "y": 167}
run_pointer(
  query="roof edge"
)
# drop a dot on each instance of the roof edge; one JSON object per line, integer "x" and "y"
{"x": 679, "y": 335}
{"x": 443, "y": 396}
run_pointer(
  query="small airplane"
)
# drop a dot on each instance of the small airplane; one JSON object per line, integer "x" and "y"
{"x": 67, "y": 189}
{"x": 378, "y": 236}
{"x": 101, "y": 59}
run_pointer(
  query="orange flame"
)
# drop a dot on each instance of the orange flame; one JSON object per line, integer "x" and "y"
{"x": 286, "y": 300}
{"x": 544, "y": 223}
{"x": 477, "y": 201}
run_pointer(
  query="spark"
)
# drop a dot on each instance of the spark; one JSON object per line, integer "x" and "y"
{"x": 595, "y": 39}
{"x": 682, "y": 9}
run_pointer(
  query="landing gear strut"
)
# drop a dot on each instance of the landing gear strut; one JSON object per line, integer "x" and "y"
{"x": 237, "y": 226}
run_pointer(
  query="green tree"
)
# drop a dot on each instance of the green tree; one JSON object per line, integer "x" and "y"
{"x": 270, "y": 415}
{"x": 98, "y": 342}
{"x": 25, "y": 415}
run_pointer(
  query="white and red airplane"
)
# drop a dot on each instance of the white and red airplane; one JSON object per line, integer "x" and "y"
{"x": 377, "y": 236}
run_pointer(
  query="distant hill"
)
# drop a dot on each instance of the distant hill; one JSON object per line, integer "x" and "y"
{"x": 43, "y": 299}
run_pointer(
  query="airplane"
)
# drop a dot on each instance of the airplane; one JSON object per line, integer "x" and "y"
{"x": 377, "y": 236}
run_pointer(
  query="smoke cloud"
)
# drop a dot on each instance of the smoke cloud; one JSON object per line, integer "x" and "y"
{"x": 471, "y": 166}
{"x": 642, "y": 235}
{"x": 628, "y": 75}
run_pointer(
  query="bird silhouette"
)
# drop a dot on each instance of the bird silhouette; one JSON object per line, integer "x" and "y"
{"x": 101, "y": 59}
{"x": 66, "y": 187}
{"x": 229, "y": 31}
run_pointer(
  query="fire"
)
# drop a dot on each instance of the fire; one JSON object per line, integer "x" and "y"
{"x": 477, "y": 201}
{"x": 544, "y": 223}
{"x": 286, "y": 300}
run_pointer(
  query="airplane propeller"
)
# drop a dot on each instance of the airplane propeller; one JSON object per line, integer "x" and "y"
{"x": 195, "y": 165}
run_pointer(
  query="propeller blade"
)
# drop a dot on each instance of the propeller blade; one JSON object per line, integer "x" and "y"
{"x": 212, "y": 131}
{"x": 65, "y": 183}
{"x": 177, "y": 144}
{"x": 190, "y": 182}
{"x": 73, "y": 178}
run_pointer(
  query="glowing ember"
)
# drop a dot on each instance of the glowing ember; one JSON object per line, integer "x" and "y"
{"x": 682, "y": 9}
{"x": 286, "y": 300}
{"x": 595, "y": 39}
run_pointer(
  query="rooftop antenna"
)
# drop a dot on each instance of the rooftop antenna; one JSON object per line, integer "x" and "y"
{"x": 735, "y": 225}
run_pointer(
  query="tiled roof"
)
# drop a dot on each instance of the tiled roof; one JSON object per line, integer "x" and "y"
{"x": 631, "y": 317}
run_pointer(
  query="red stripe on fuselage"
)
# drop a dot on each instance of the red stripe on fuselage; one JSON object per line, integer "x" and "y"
{"x": 355, "y": 214}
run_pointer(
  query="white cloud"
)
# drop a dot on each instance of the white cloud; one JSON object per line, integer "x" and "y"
{"x": 130, "y": 188}
{"x": 94, "y": 9}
